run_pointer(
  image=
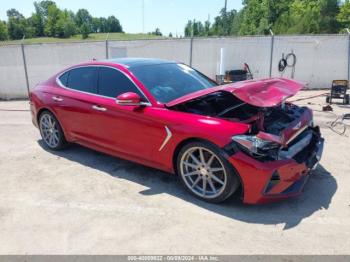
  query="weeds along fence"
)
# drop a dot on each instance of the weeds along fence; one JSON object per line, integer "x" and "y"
{"x": 320, "y": 58}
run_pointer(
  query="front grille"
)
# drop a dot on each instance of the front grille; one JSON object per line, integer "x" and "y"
{"x": 306, "y": 155}
{"x": 297, "y": 145}
{"x": 300, "y": 134}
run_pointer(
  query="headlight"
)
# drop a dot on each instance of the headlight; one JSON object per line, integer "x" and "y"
{"x": 256, "y": 146}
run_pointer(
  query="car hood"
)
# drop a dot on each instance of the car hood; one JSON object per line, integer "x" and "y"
{"x": 261, "y": 93}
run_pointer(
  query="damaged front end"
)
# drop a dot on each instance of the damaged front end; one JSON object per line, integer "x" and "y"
{"x": 275, "y": 133}
{"x": 280, "y": 138}
{"x": 306, "y": 147}
{"x": 274, "y": 162}
{"x": 282, "y": 145}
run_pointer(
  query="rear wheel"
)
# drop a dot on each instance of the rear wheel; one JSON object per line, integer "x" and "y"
{"x": 347, "y": 99}
{"x": 51, "y": 131}
{"x": 206, "y": 173}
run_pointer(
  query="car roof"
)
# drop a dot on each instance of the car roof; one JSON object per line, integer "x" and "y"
{"x": 137, "y": 62}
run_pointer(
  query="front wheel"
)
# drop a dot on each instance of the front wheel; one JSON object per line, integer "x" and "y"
{"x": 206, "y": 173}
{"x": 51, "y": 131}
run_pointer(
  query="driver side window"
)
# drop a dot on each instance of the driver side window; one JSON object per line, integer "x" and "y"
{"x": 113, "y": 83}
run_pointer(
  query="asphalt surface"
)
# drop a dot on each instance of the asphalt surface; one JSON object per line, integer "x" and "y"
{"x": 79, "y": 201}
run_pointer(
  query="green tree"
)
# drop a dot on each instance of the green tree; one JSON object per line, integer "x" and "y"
{"x": 17, "y": 25}
{"x": 198, "y": 28}
{"x": 66, "y": 27}
{"x": 83, "y": 17}
{"x": 96, "y": 25}
{"x": 195, "y": 28}
{"x": 39, "y": 18}
{"x": 329, "y": 11}
{"x": 42, "y": 7}
{"x": 283, "y": 17}
{"x": 156, "y": 32}
{"x": 85, "y": 30}
{"x": 103, "y": 25}
{"x": 53, "y": 16}
{"x": 3, "y": 31}
{"x": 207, "y": 28}
{"x": 113, "y": 25}
{"x": 188, "y": 29}
{"x": 344, "y": 14}
{"x": 224, "y": 24}
{"x": 38, "y": 24}
{"x": 235, "y": 23}
{"x": 13, "y": 13}
{"x": 305, "y": 17}
{"x": 255, "y": 17}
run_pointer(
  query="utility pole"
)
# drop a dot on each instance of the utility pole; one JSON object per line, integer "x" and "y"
{"x": 25, "y": 65}
{"x": 271, "y": 51}
{"x": 143, "y": 16}
{"x": 348, "y": 31}
{"x": 225, "y": 24}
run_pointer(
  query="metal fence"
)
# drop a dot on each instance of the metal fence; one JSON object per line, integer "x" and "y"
{"x": 320, "y": 58}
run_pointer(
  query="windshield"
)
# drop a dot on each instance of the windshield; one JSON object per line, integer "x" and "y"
{"x": 167, "y": 82}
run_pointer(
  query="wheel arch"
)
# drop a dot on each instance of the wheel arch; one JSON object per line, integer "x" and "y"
{"x": 42, "y": 110}
{"x": 181, "y": 145}
{"x": 197, "y": 139}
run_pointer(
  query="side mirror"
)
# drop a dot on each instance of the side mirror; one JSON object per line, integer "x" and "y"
{"x": 129, "y": 99}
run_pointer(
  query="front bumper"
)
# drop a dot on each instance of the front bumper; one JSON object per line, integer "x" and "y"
{"x": 265, "y": 182}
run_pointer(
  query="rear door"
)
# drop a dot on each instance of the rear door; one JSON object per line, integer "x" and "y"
{"x": 74, "y": 102}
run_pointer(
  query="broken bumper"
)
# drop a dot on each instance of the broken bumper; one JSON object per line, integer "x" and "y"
{"x": 265, "y": 182}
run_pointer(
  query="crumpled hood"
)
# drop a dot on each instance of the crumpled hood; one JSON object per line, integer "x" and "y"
{"x": 267, "y": 92}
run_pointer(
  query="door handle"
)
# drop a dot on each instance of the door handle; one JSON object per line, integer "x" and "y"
{"x": 98, "y": 108}
{"x": 57, "y": 99}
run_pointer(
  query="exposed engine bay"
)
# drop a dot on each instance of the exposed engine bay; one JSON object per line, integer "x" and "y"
{"x": 224, "y": 105}
{"x": 268, "y": 125}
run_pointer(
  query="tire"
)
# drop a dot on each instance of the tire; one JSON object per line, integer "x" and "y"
{"x": 196, "y": 163}
{"x": 347, "y": 99}
{"x": 51, "y": 131}
{"x": 328, "y": 99}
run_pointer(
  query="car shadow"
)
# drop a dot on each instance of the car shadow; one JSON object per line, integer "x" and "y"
{"x": 317, "y": 195}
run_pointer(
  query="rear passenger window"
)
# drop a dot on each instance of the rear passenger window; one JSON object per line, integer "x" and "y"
{"x": 112, "y": 83}
{"x": 83, "y": 79}
{"x": 64, "y": 78}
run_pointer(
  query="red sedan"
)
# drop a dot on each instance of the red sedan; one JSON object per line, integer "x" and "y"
{"x": 171, "y": 117}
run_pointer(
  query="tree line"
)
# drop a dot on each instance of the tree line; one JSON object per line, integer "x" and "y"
{"x": 50, "y": 21}
{"x": 257, "y": 17}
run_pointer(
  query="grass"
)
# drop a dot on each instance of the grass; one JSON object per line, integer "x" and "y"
{"x": 92, "y": 37}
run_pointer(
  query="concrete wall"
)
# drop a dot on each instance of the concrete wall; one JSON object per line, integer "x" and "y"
{"x": 44, "y": 60}
{"x": 178, "y": 49}
{"x": 320, "y": 59}
{"x": 13, "y": 82}
{"x": 252, "y": 50}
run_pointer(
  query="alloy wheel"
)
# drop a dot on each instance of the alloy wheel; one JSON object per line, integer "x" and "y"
{"x": 49, "y": 130}
{"x": 203, "y": 172}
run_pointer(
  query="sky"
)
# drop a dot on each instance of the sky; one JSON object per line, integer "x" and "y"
{"x": 168, "y": 15}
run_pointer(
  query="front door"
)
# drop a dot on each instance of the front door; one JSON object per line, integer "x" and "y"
{"x": 124, "y": 129}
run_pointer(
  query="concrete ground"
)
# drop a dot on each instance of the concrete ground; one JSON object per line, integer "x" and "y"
{"x": 79, "y": 201}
